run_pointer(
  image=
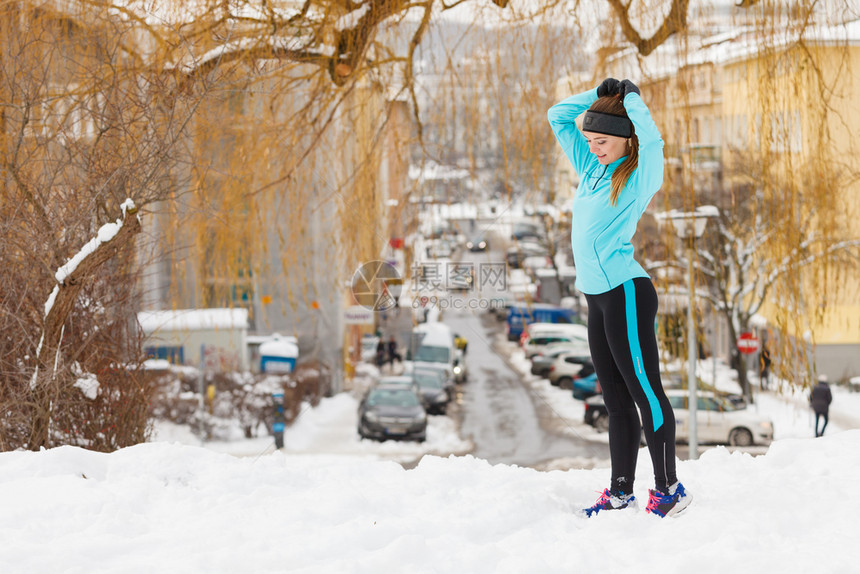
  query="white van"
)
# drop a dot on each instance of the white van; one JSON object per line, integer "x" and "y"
{"x": 433, "y": 342}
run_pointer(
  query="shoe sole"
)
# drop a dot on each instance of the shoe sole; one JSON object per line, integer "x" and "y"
{"x": 680, "y": 506}
{"x": 581, "y": 513}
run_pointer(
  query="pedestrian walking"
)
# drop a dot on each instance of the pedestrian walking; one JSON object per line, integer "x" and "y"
{"x": 381, "y": 353}
{"x": 392, "y": 352}
{"x": 820, "y": 399}
{"x": 618, "y": 155}
{"x": 764, "y": 367}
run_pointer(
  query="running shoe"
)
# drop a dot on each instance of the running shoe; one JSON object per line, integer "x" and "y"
{"x": 669, "y": 504}
{"x": 609, "y": 501}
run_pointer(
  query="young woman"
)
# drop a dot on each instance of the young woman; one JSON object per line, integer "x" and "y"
{"x": 618, "y": 155}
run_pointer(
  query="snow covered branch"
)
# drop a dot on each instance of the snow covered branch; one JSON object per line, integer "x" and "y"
{"x": 110, "y": 239}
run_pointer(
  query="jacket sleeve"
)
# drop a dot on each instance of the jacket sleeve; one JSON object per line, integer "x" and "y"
{"x": 562, "y": 119}
{"x": 650, "y": 170}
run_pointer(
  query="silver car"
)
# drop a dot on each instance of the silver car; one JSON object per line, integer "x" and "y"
{"x": 719, "y": 421}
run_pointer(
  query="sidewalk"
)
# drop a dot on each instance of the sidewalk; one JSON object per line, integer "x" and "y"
{"x": 844, "y": 410}
{"x": 787, "y": 405}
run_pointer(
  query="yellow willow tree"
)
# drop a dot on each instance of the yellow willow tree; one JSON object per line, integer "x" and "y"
{"x": 754, "y": 105}
{"x": 802, "y": 86}
{"x": 284, "y": 198}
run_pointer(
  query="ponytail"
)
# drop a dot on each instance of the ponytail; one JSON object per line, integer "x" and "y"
{"x": 624, "y": 170}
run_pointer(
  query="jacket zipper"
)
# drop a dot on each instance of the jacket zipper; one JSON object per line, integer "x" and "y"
{"x": 599, "y": 178}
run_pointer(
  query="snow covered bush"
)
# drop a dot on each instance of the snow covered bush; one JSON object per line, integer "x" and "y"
{"x": 231, "y": 405}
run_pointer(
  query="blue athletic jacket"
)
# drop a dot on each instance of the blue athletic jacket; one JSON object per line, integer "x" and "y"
{"x": 601, "y": 233}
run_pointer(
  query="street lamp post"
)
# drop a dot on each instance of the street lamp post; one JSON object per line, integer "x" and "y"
{"x": 689, "y": 226}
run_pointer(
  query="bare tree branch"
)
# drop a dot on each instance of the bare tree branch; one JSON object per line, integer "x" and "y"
{"x": 675, "y": 21}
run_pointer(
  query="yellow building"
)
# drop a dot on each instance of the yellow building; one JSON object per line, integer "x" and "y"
{"x": 783, "y": 115}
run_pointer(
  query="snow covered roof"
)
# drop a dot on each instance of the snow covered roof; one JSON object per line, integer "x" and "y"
{"x": 279, "y": 347}
{"x": 192, "y": 319}
{"x": 735, "y": 45}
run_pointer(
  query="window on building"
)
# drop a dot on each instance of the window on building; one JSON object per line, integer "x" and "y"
{"x": 175, "y": 355}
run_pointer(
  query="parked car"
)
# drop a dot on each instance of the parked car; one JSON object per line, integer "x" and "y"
{"x": 478, "y": 242}
{"x": 678, "y": 380}
{"x": 567, "y": 366}
{"x": 719, "y": 421}
{"x": 596, "y": 414}
{"x": 538, "y": 343}
{"x": 440, "y": 248}
{"x": 392, "y": 412}
{"x": 534, "y": 262}
{"x": 585, "y": 384}
{"x": 526, "y": 230}
{"x": 542, "y": 361}
{"x": 445, "y": 374}
{"x": 432, "y": 390}
{"x": 521, "y": 315}
{"x": 399, "y": 380}
{"x": 555, "y": 327}
{"x": 519, "y": 252}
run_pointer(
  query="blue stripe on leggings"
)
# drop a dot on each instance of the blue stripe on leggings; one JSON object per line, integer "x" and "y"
{"x": 636, "y": 353}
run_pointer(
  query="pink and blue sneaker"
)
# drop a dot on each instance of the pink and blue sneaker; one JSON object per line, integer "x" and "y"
{"x": 668, "y": 504}
{"x": 610, "y": 501}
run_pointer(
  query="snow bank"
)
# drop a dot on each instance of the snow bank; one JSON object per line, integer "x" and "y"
{"x": 171, "y": 508}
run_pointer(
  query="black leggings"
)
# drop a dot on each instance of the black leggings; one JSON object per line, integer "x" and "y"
{"x": 623, "y": 342}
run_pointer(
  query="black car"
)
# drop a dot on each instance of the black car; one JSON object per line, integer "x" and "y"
{"x": 432, "y": 390}
{"x": 478, "y": 242}
{"x": 392, "y": 412}
{"x": 596, "y": 414}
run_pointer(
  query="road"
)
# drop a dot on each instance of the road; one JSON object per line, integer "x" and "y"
{"x": 501, "y": 415}
{"x": 504, "y": 420}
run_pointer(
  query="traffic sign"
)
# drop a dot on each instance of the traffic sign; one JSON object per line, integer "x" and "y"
{"x": 747, "y": 343}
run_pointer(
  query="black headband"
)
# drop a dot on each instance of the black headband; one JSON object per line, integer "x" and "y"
{"x": 609, "y": 124}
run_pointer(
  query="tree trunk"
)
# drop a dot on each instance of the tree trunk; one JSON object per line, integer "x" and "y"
{"x": 739, "y": 364}
{"x": 737, "y": 361}
{"x": 43, "y": 386}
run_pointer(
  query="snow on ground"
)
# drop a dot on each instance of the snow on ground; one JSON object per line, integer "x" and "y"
{"x": 330, "y": 428}
{"x": 331, "y": 503}
{"x": 166, "y": 507}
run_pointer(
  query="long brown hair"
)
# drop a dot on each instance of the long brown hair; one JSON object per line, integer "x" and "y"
{"x": 614, "y": 105}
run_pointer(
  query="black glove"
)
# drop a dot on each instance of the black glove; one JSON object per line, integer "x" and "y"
{"x": 609, "y": 87}
{"x": 625, "y": 87}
